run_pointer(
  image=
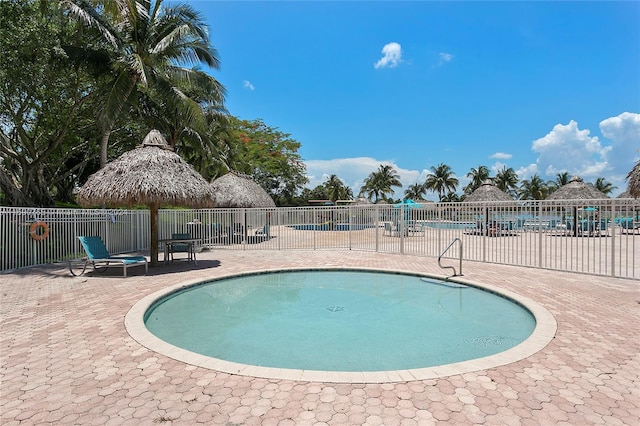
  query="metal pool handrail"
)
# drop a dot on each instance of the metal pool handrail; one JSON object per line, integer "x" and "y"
{"x": 460, "y": 256}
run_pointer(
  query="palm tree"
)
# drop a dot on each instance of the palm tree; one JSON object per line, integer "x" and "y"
{"x": 533, "y": 189}
{"x": 451, "y": 197}
{"x": 380, "y": 183}
{"x": 441, "y": 180}
{"x": 415, "y": 192}
{"x": 562, "y": 179}
{"x": 145, "y": 48}
{"x": 336, "y": 189}
{"x": 478, "y": 177}
{"x": 507, "y": 180}
{"x": 603, "y": 186}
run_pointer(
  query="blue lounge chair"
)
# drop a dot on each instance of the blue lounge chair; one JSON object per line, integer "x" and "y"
{"x": 98, "y": 256}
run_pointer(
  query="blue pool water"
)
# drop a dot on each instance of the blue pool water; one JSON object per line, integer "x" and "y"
{"x": 339, "y": 321}
{"x": 451, "y": 225}
{"x": 330, "y": 227}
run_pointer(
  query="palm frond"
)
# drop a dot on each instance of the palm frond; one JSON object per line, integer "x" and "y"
{"x": 117, "y": 98}
{"x": 87, "y": 14}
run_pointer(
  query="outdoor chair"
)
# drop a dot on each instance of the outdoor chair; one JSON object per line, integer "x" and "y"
{"x": 390, "y": 229}
{"x": 98, "y": 256}
{"x": 178, "y": 247}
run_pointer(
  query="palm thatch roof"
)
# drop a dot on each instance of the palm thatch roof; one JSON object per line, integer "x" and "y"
{"x": 488, "y": 192}
{"x": 149, "y": 174}
{"x": 577, "y": 189}
{"x": 634, "y": 181}
{"x": 238, "y": 190}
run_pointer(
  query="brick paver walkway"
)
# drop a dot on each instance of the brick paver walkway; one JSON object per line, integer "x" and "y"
{"x": 66, "y": 358}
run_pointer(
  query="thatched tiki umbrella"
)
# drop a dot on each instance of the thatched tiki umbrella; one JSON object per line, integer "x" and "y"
{"x": 488, "y": 193}
{"x": 634, "y": 181}
{"x": 237, "y": 190}
{"x": 151, "y": 174}
{"x": 577, "y": 189}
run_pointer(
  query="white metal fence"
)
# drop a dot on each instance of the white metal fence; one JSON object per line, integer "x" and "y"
{"x": 599, "y": 237}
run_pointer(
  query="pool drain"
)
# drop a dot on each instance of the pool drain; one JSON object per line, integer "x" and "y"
{"x": 335, "y": 308}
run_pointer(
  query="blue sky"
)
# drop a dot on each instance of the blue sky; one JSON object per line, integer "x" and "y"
{"x": 542, "y": 87}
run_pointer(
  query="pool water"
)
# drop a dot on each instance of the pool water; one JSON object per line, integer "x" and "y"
{"x": 339, "y": 321}
{"x": 451, "y": 225}
{"x": 331, "y": 227}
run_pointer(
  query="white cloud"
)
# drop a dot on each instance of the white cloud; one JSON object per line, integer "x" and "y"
{"x": 501, "y": 156}
{"x": 247, "y": 84}
{"x": 391, "y": 56}
{"x": 527, "y": 171}
{"x": 353, "y": 172}
{"x": 624, "y": 132}
{"x": 567, "y": 148}
{"x": 624, "y": 129}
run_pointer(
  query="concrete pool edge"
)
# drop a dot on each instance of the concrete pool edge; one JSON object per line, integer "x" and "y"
{"x": 542, "y": 335}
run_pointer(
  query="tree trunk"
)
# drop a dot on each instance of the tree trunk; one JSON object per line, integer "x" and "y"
{"x": 104, "y": 144}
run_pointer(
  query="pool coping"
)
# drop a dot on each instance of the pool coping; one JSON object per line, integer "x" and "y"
{"x": 542, "y": 335}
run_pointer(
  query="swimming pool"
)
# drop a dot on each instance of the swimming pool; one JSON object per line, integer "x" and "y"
{"x": 295, "y": 323}
{"x": 450, "y": 225}
{"x": 331, "y": 227}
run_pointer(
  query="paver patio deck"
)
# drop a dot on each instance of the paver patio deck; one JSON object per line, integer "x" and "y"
{"x": 66, "y": 358}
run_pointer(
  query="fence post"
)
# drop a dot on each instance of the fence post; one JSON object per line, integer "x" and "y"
{"x": 540, "y": 250}
{"x": 613, "y": 236}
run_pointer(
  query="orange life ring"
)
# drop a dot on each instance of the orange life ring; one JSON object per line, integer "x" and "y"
{"x": 35, "y": 226}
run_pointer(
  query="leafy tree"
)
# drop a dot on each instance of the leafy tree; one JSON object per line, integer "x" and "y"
{"x": 379, "y": 184}
{"x": 332, "y": 189}
{"x": 270, "y": 156}
{"x": 605, "y": 187}
{"x": 533, "y": 189}
{"x": 142, "y": 46}
{"x": 478, "y": 177}
{"x": 415, "y": 192}
{"x": 44, "y": 107}
{"x": 317, "y": 193}
{"x": 441, "y": 180}
{"x": 507, "y": 180}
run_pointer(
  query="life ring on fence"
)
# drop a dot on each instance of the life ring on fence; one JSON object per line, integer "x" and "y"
{"x": 35, "y": 226}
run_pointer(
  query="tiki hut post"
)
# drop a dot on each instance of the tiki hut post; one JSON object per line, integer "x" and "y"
{"x": 153, "y": 219}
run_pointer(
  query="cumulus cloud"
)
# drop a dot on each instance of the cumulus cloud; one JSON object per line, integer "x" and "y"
{"x": 391, "y": 56}
{"x": 623, "y": 129}
{"x": 353, "y": 172}
{"x": 624, "y": 133}
{"x": 566, "y": 147}
{"x": 501, "y": 156}
{"x": 247, "y": 84}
